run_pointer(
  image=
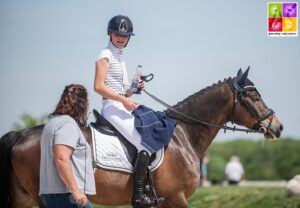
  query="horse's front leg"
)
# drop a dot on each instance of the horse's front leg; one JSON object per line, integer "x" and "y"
{"x": 175, "y": 201}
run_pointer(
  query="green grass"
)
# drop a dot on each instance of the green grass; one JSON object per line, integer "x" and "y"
{"x": 242, "y": 197}
{"x": 237, "y": 197}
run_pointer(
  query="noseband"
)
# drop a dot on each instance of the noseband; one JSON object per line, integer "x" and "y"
{"x": 239, "y": 95}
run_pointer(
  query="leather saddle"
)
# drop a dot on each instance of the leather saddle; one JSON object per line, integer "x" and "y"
{"x": 104, "y": 127}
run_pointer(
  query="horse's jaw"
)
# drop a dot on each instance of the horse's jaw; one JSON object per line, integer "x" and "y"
{"x": 270, "y": 135}
{"x": 272, "y": 131}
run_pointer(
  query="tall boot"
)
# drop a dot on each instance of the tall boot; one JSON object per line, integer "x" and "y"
{"x": 139, "y": 198}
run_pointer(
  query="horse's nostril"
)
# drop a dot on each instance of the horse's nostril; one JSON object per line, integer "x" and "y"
{"x": 281, "y": 127}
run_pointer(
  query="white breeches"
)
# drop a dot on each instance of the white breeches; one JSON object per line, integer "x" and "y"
{"x": 123, "y": 121}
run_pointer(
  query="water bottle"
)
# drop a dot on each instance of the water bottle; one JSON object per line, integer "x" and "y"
{"x": 136, "y": 79}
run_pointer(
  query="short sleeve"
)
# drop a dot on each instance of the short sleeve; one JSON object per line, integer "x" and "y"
{"x": 106, "y": 53}
{"x": 67, "y": 134}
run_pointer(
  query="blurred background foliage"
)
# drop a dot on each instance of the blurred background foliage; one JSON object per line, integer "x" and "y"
{"x": 28, "y": 121}
{"x": 262, "y": 160}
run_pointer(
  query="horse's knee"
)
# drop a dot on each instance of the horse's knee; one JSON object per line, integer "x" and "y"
{"x": 177, "y": 201}
{"x": 174, "y": 205}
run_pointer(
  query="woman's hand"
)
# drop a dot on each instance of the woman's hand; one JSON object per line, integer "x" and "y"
{"x": 80, "y": 198}
{"x": 129, "y": 104}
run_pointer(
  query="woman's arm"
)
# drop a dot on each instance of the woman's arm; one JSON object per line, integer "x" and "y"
{"x": 62, "y": 154}
{"x": 102, "y": 66}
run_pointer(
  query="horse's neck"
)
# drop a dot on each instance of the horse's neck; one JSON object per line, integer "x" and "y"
{"x": 212, "y": 105}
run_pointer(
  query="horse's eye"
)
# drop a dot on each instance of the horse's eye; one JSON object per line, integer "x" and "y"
{"x": 253, "y": 95}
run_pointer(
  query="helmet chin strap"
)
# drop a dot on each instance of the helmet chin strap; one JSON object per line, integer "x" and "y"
{"x": 127, "y": 41}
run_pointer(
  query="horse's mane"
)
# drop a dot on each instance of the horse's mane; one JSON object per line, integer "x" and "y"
{"x": 199, "y": 93}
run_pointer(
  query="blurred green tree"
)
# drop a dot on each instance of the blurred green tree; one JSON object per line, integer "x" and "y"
{"x": 262, "y": 160}
{"x": 216, "y": 166}
{"x": 28, "y": 121}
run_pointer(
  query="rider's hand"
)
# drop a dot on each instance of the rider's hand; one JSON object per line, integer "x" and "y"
{"x": 141, "y": 85}
{"x": 80, "y": 198}
{"x": 129, "y": 104}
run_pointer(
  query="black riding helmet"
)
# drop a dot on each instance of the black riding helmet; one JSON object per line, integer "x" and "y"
{"x": 120, "y": 24}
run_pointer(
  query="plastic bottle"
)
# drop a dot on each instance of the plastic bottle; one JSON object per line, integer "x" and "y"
{"x": 136, "y": 79}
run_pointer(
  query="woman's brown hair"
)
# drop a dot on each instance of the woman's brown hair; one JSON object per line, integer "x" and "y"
{"x": 73, "y": 102}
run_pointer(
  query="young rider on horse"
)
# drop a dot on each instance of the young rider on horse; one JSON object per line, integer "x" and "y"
{"x": 111, "y": 82}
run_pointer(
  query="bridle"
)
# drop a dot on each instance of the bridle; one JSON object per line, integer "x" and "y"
{"x": 239, "y": 96}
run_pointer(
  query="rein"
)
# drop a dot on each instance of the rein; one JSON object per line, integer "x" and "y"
{"x": 239, "y": 96}
{"x": 199, "y": 122}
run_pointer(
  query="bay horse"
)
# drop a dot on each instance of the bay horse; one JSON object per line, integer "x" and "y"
{"x": 201, "y": 116}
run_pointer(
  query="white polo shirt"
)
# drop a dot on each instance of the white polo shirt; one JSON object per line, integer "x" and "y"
{"x": 116, "y": 78}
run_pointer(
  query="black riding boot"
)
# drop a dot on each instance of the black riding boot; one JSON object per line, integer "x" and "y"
{"x": 139, "y": 198}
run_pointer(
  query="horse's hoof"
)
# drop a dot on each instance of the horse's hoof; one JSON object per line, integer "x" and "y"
{"x": 144, "y": 202}
{"x": 159, "y": 201}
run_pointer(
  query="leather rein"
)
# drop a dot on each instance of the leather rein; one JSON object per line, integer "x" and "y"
{"x": 239, "y": 96}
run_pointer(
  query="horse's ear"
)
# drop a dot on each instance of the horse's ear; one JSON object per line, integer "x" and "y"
{"x": 247, "y": 70}
{"x": 240, "y": 72}
{"x": 242, "y": 79}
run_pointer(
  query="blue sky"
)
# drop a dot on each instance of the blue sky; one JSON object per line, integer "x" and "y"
{"x": 188, "y": 45}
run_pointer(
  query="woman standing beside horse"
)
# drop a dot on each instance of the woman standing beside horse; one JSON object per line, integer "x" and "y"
{"x": 66, "y": 173}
